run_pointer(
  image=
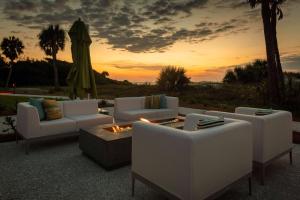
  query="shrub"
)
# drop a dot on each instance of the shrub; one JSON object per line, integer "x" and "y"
{"x": 172, "y": 79}
{"x": 255, "y": 72}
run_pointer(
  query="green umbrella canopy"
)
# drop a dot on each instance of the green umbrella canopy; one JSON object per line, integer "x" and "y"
{"x": 81, "y": 78}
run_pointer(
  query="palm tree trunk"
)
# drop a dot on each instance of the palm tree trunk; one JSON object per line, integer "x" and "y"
{"x": 56, "y": 81}
{"x": 280, "y": 75}
{"x": 9, "y": 75}
{"x": 273, "y": 85}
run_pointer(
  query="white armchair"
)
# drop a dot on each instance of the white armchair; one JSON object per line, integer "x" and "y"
{"x": 188, "y": 164}
{"x": 272, "y": 134}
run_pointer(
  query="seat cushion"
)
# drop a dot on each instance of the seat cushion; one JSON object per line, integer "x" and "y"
{"x": 80, "y": 107}
{"x": 132, "y": 115}
{"x": 83, "y": 121}
{"x": 58, "y": 126}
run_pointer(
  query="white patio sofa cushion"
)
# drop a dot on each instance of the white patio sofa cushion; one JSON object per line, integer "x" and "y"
{"x": 83, "y": 121}
{"x": 80, "y": 107}
{"x": 272, "y": 134}
{"x": 133, "y": 108}
{"x": 54, "y": 127}
{"x": 85, "y": 113}
{"x": 192, "y": 165}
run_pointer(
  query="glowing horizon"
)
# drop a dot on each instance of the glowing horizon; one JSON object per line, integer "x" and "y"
{"x": 206, "y": 37}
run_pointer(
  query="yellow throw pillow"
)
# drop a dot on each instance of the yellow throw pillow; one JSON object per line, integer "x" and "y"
{"x": 155, "y": 104}
{"x": 52, "y": 109}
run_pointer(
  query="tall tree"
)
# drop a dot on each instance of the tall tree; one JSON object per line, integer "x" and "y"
{"x": 271, "y": 13}
{"x": 52, "y": 40}
{"x": 12, "y": 48}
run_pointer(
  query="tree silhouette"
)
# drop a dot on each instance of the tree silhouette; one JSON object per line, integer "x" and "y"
{"x": 172, "y": 78}
{"x": 230, "y": 77}
{"x": 52, "y": 40}
{"x": 2, "y": 62}
{"x": 255, "y": 72}
{"x": 12, "y": 48}
{"x": 105, "y": 74}
{"x": 271, "y": 12}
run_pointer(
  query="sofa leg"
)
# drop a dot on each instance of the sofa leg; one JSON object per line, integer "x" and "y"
{"x": 17, "y": 138}
{"x": 250, "y": 185}
{"x": 132, "y": 185}
{"x": 27, "y": 145}
{"x": 291, "y": 157}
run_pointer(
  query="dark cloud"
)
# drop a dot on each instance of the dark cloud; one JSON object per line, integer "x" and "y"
{"x": 232, "y": 4}
{"x": 135, "y": 26}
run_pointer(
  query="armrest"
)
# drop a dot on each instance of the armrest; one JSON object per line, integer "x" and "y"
{"x": 277, "y": 135}
{"x": 28, "y": 121}
{"x": 220, "y": 156}
{"x": 248, "y": 110}
{"x": 162, "y": 155}
{"x": 191, "y": 120}
{"x": 172, "y": 102}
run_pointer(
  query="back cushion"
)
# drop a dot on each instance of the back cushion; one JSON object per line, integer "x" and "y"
{"x": 129, "y": 103}
{"x": 80, "y": 107}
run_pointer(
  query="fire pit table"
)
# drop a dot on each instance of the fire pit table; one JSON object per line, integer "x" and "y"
{"x": 110, "y": 144}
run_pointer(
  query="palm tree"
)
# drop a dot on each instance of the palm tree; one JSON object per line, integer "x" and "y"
{"x": 12, "y": 48}
{"x": 52, "y": 40}
{"x": 271, "y": 12}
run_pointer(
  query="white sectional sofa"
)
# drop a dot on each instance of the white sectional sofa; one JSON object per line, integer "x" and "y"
{"x": 76, "y": 114}
{"x": 133, "y": 108}
{"x": 191, "y": 164}
{"x": 272, "y": 134}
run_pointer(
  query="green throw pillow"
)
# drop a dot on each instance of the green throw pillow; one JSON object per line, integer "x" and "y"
{"x": 163, "y": 101}
{"x": 38, "y": 104}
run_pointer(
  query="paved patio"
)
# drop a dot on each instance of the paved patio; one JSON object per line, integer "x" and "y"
{"x": 58, "y": 170}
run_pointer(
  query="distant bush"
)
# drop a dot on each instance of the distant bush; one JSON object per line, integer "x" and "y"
{"x": 172, "y": 79}
{"x": 40, "y": 73}
{"x": 255, "y": 72}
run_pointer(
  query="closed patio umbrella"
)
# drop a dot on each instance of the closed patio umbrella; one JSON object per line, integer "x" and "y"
{"x": 81, "y": 78}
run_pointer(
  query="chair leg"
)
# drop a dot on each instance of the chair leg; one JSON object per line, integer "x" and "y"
{"x": 132, "y": 185}
{"x": 250, "y": 185}
{"x": 291, "y": 157}
{"x": 262, "y": 175}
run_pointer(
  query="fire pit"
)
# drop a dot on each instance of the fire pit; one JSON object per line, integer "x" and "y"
{"x": 110, "y": 144}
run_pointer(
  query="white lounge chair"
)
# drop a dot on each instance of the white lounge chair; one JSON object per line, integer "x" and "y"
{"x": 191, "y": 164}
{"x": 272, "y": 134}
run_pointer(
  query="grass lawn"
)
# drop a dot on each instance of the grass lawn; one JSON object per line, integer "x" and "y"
{"x": 203, "y": 96}
{"x": 8, "y": 104}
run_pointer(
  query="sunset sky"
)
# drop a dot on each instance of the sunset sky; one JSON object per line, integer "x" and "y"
{"x": 134, "y": 39}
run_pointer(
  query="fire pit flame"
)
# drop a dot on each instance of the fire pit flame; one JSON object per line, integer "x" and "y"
{"x": 145, "y": 120}
{"x": 118, "y": 129}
